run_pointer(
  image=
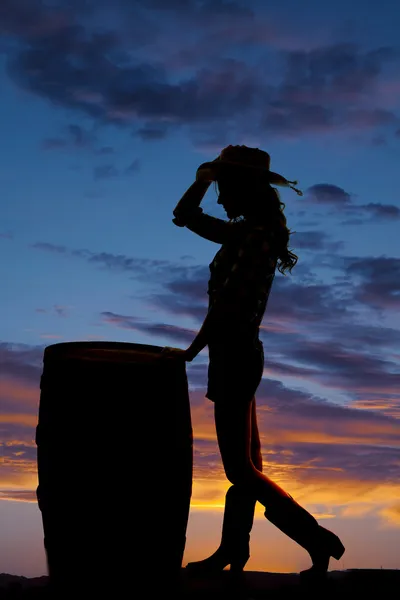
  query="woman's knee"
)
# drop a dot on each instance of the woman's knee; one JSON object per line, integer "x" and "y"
{"x": 257, "y": 460}
{"x": 240, "y": 474}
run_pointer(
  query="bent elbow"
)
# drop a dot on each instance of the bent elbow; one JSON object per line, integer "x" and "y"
{"x": 178, "y": 222}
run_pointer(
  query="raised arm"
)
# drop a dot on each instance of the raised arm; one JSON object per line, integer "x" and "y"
{"x": 188, "y": 212}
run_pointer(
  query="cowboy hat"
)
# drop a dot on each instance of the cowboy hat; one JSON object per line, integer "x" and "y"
{"x": 250, "y": 160}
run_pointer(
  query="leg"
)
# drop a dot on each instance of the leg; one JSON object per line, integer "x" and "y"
{"x": 238, "y": 517}
{"x": 240, "y": 505}
{"x": 255, "y": 444}
{"x": 233, "y": 424}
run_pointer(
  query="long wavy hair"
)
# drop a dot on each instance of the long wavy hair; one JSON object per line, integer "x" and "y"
{"x": 260, "y": 201}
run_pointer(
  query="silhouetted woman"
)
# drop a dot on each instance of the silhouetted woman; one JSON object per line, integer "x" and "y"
{"x": 254, "y": 242}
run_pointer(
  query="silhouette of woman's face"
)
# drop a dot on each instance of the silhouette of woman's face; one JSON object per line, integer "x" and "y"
{"x": 230, "y": 196}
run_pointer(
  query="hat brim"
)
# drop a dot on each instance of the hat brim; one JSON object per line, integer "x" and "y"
{"x": 272, "y": 177}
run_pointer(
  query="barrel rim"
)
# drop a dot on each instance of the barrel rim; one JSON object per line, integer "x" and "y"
{"x": 62, "y": 348}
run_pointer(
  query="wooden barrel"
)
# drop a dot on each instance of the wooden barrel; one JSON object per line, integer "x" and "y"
{"x": 115, "y": 455}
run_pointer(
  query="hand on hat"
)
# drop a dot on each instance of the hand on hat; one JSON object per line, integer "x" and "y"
{"x": 209, "y": 172}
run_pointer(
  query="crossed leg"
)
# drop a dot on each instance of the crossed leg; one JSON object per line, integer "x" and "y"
{"x": 233, "y": 423}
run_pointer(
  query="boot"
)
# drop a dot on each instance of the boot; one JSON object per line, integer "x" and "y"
{"x": 235, "y": 540}
{"x": 298, "y": 524}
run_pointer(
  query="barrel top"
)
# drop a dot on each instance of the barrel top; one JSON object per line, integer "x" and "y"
{"x": 89, "y": 348}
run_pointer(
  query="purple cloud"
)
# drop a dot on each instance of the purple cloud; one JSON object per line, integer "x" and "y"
{"x": 380, "y": 211}
{"x": 375, "y": 288}
{"x": 314, "y": 241}
{"x": 360, "y": 444}
{"x": 379, "y": 281}
{"x": 341, "y": 202}
{"x": 328, "y": 194}
{"x": 135, "y": 75}
{"x": 179, "y": 334}
{"x": 22, "y": 362}
{"x": 139, "y": 267}
{"x": 311, "y": 330}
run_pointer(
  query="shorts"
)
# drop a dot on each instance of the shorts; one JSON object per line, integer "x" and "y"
{"x": 234, "y": 374}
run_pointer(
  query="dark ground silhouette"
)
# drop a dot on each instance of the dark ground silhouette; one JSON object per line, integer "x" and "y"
{"x": 258, "y": 585}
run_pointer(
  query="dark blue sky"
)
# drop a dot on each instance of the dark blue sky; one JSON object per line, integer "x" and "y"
{"x": 107, "y": 108}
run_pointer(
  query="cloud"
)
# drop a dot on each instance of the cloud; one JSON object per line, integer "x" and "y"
{"x": 381, "y": 212}
{"x": 110, "y": 171}
{"x": 136, "y": 75}
{"x": 152, "y": 132}
{"x": 161, "y": 270}
{"x": 21, "y": 361}
{"x": 76, "y": 138}
{"x": 19, "y": 495}
{"x": 341, "y": 202}
{"x": 105, "y": 172}
{"x": 310, "y": 336}
{"x": 344, "y": 370}
{"x": 30, "y": 20}
{"x": 58, "y": 310}
{"x": 50, "y": 247}
{"x": 379, "y": 281}
{"x": 392, "y": 513}
{"x": 335, "y": 457}
{"x": 368, "y": 283}
{"x": 106, "y": 150}
{"x": 178, "y": 334}
{"x": 20, "y": 451}
{"x": 374, "y": 288}
{"x": 331, "y": 458}
{"x": 324, "y": 453}
{"x": 314, "y": 241}
{"x": 328, "y": 194}
{"x": 311, "y": 330}
{"x": 379, "y": 140}
{"x": 134, "y": 167}
{"x": 20, "y": 371}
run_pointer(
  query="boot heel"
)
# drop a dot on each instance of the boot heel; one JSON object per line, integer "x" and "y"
{"x": 218, "y": 561}
{"x": 237, "y": 566}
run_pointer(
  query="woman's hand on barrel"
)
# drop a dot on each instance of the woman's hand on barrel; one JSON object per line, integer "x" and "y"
{"x": 169, "y": 352}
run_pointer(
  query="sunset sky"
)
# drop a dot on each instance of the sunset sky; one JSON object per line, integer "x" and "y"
{"x": 107, "y": 109}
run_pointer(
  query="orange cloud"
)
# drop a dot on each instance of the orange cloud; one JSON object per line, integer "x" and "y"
{"x": 391, "y": 514}
{"x": 19, "y": 419}
{"x": 19, "y": 392}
